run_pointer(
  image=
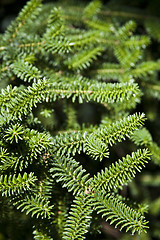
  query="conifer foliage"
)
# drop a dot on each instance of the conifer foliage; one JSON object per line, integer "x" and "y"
{"x": 53, "y": 61}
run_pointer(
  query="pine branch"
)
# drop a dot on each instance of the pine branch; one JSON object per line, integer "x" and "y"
{"x": 88, "y": 38}
{"x": 136, "y": 15}
{"x": 146, "y": 68}
{"x": 98, "y": 92}
{"x": 45, "y": 188}
{"x": 108, "y": 71}
{"x": 38, "y": 144}
{"x": 12, "y": 161}
{"x": 116, "y": 71}
{"x": 59, "y": 45}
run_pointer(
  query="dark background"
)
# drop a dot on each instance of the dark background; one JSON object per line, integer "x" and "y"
{"x": 10, "y": 8}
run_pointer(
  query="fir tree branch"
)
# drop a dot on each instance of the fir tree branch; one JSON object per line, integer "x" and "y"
{"x": 35, "y": 206}
{"x": 122, "y": 172}
{"x": 26, "y": 71}
{"x": 117, "y": 131}
{"x": 39, "y": 235}
{"x": 29, "y": 11}
{"x": 71, "y": 174}
{"x": 15, "y": 185}
{"x": 119, "y": 213}
{"x": 79, "y": 218}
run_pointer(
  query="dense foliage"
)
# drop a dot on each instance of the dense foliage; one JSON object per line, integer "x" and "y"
{"x": 79, "y": 97}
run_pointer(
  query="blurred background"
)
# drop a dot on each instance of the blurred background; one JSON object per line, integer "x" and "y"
{"x": 8, "y": 11}
{"x": 10, "y": 8}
